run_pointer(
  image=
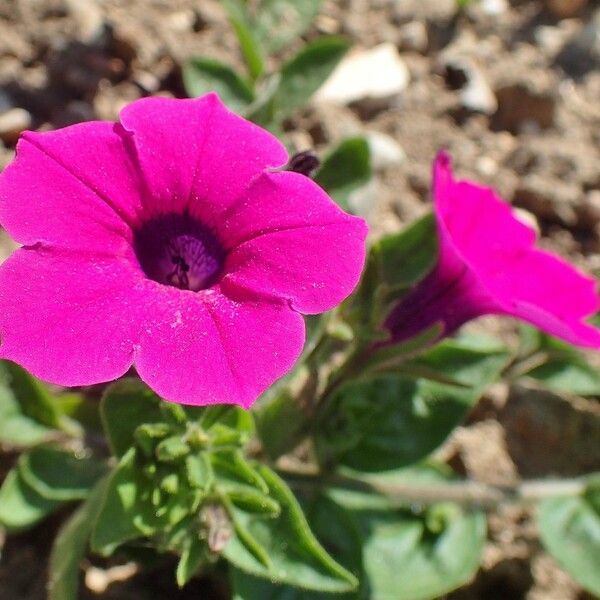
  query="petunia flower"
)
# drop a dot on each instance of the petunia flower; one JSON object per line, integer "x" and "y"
{"x": 172, "y": 241}
{"x": 488, "y": 264}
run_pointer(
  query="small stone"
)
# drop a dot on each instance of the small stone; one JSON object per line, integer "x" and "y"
{"x": 565, "y": 9}
{"x": 365, "y": 199}
{"x": 378, "y": 73}
{"x": 182, "y": 20}
{"x": 89, "y": 19}
{"x": 147, "y": 81}
{"x": 582, "y": 53}
{"x": 12, "y": 123}
{"x": 327, "y": 25}
{"x": 494, "y": 8}
{"x": 98, "y": 580}
{"x": 413, "y": 36}
{"x": 487, "y": 166}
{"x": 385, "y": 151}
{"x": 552, "y": 39}
{"x": 476, "y": 94}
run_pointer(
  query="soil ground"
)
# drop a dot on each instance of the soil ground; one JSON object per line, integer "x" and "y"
{"x": 536, "y": 138}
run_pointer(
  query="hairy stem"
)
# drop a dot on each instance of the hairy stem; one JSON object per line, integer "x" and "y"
{"x": 467, "y": 492}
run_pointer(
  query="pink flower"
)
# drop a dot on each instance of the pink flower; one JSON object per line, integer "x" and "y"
{"x": 167, "y": 241}
{"x": 488, "y": 264}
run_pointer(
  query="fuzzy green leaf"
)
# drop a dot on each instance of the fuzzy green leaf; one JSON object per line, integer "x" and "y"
{"x": 57, "y": 474}
{"x": 396, "y": 420}
{"x": 20, "y": 505}
{"x": 70, "y": 545}
{"x": 249, "y": 45}
{"x": 278, "y": 22}
{"x": 345, "y": 169}
{"x": 126, "y": 511}
{"x": 412, "y": 554}
{"x": 302, "y": 76}
{"x": 300, "y": 561}
{"x": 570, "y": 530}
{"x": 127, "y": 404}
{"x": 204, "y": 75}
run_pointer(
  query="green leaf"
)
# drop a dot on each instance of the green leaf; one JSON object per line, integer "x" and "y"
{"x": 338, "y": 532}
{"x": 557, "y": 365}
{"x": 251, "y": 50}
{"x": 394, "y": 264}
{"x": 251, "y": 501}
{"x": 199, "y": 471}
{"x": 303, "y": 75}
{"x": 36, "y": 401}
{"x": 57, "y": 474}
{"x": 20, "y": 505}
{"x": 572, "y": 375}
{"x": 192, "y": 557}
{"x": 397, "y": 420}
{"x": 406, "y": 257}
{"x": 292, "y": 553}
{"x": 125, "y": 405}
{"x": 570, "y": 531}
{"x": 278, "y": 22}
{"x": 204, "y": 75}
{"x": 172, "y": 449}
{"x": 20, "y": 431}
{"x": 16, "y": 428}
{"x": 126, "y": 511}
{"x": 345, "y": 169}
{"x": 281, "y": 423}
{"x": 412, "y": 554}
{"x": 70, "y": 545}
{"x": 231, "y": 468}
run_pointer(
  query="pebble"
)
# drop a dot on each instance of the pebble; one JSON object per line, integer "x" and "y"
{"x": 565, "y": 9}
{"x": 12, "y": 123}
{"x": 377, "y": 73}
{"x": 494, "y": 8}
{"x": 475, "y": 93}
{"x": 89, "y": 19}
{"x": 413, "y": 36}
{"x": 385, "y": 151}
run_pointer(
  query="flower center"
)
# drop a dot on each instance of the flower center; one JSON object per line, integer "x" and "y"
{"x": 176, "y": 249}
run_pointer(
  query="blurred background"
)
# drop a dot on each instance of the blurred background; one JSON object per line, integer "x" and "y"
{"x": 511, "y": 88}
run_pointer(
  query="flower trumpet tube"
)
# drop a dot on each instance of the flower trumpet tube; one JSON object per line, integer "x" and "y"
{"x": 488, "y": 263}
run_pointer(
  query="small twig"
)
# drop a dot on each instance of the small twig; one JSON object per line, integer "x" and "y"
{"x": 466, "y": 492}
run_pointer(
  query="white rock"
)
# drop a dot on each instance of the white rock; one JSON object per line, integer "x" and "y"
{"x": 363, "y": 201}
{"x": 494, "y": 7}
{"x": 478, "y": 96}
{"x": 385, "y": 150}
{"x": 414, "y": 36}
{"x": 89, "y": 18}
{"x": 376, "y": 73}
{"x": 13, "y": 122}
{"x": 475, "y": 93}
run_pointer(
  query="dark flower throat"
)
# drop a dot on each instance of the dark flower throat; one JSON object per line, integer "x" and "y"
{"x": 178, "y": 250}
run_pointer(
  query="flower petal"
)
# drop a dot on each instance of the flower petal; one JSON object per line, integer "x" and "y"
{"x": 476, "y": 222}
{"x": 197, "y": 155}
{"x": 73, "y": 188}
{"x": 206, "y": 348}
{"x": 279, "y": 201}
{"x": 518, "y": 279}
{"x": 314, "y": 262}
{"x": 84, "y": 325}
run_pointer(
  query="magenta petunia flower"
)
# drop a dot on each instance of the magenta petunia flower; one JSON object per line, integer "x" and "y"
{"x": 171, "y": 242}
{"x": 488, "y": 264}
